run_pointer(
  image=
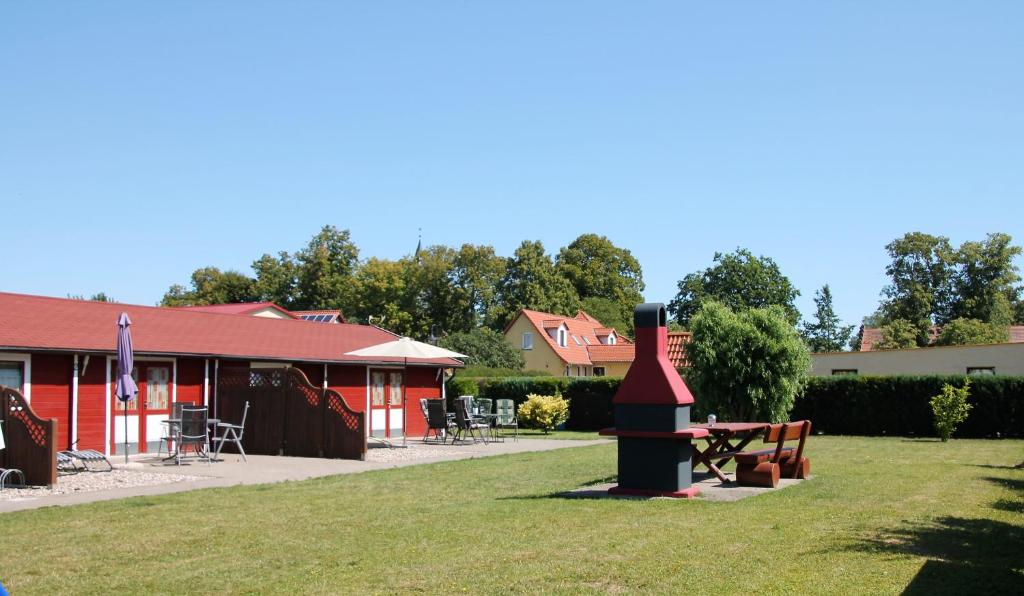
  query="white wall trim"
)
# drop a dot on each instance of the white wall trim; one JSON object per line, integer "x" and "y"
{"x": 106, "y": 419}
{"x": 74, "y": 401}
{"x": 26, "y": 369}
{"x": 366, "y": 427}
{"x": 206, "y": 382}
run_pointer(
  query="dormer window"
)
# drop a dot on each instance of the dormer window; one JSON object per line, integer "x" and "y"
{"x": 611, "y": 339}
{"x": 562, "y": 336}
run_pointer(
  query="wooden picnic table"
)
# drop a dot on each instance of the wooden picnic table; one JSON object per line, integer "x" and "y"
{"x": 720, "y": 443}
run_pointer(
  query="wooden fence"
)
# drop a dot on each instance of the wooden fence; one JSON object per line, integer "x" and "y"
{"x": 288, "y": 415}
{"x": 31, "y": 441}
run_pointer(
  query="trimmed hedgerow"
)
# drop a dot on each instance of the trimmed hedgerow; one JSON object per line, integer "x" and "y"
{"x": 899, "y": 405}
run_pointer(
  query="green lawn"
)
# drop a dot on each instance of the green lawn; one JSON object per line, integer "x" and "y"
{"x": 567, "y": 435}
{"x": 879, "y": 516}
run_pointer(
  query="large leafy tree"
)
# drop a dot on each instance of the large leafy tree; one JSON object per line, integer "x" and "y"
{"x": 485, "y": 347}
{"x": 277, "y": 279}
{"x": 382, "y": 297}
{"x": 210, "y": 285}
{"x": 919, "y": 287}
{"x": 326, "y": 269}
{"x": 746, "y": 365}
{"x": 983, "y": 281}
{"x": 610, "y": 313}
{"x": 826, "y": 333}
{"x": 599, "y": 269}
{"x": 738, "y": 280}
{"x": 898, "y": 334}
{"x": 961, "y": 332}
{"x": 532, "y": 282}
{"x": 475, "y": 275}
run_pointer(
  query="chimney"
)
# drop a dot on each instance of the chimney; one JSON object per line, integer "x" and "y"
{"x": 652, "y": 416}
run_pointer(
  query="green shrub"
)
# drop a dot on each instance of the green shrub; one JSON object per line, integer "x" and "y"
{"x": 590, "y": 402}
{"x": 543, "y": 411}
{"x": 458, "y": 385}
{"x": 483, "y": 371}
{"x": 950, "y": 408}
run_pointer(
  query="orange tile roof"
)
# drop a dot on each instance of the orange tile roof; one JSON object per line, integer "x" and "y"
{"x": 581, "y": 326}
{"x": 34, "y": 323}
{"x": 873, "y": 336}
{"x": 677, "y": 341}
{"x": 616, "y": 353}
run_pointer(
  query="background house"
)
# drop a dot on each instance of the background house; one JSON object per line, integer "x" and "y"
{"x": 577, "y": 346}
{"x": 873, "y": 336}
{"x": 992, "y": 359}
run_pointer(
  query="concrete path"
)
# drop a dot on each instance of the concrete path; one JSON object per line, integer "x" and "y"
{"x": 262, "y": 469}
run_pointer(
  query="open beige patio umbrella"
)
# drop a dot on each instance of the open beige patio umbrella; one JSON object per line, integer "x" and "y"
{"x": 405, "y": 348}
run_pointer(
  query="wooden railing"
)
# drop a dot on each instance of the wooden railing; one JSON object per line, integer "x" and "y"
{"x": 289, "y": 415}
{"x": 31, "y": 441}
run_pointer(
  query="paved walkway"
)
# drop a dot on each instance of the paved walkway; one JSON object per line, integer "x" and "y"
{"x": 262, "y": 469}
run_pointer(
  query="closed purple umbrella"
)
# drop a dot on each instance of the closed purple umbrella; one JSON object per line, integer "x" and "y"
{"x": 126, "y": 387}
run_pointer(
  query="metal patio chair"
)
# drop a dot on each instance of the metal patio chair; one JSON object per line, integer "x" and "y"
{"x": 466, "y": 424}
{"x": 193, "y": 431}
{"x": 506, "y": 418}
{"x": 169, "y": 428}
{"x": 232, "y": 433}
{"x": 437, "y": 420}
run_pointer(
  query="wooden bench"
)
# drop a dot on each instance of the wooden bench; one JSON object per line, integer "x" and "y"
{"x": 766, "y": 466}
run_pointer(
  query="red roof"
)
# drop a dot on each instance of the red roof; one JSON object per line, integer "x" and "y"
{"x": 677, "y": 341}
{"x": 582, "y": 327}
{"x": 616, "y": 353}
{"x": 34, "y": 323}
{"x": 237, "y": 308}
{"x": 873, "y": 336}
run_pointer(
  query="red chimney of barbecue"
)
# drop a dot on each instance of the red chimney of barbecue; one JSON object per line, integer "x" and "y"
{"x": 651, "y": 378}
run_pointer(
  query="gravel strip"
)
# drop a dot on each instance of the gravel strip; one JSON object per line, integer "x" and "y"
{"x": 385, "y": 455}
{"x": 93, "y": 481}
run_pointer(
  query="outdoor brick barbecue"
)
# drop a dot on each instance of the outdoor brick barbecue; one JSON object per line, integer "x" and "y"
{"x": 652, "y": 416}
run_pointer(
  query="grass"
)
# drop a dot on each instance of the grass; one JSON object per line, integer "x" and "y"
{"x": 880, "y": 516}
{"x": 566, "y": 435}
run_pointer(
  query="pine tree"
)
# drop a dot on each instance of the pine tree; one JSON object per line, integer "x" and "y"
{"x": 826, "y": 334}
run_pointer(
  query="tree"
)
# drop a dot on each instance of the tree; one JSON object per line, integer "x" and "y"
{"x": 381, "y": 294}
{"x": 982, "y": 283}
{"x": 326, "y": 268}
{"x": 485, "y": 347}
{"x": 746, "y": 365}
{"x": 897, "y": 335}
{"x": 531, "y": 282}
{"x": 609, "y": 312}
{"x": 963, "y": 332}
{"x": 476, "y": 273}
{"x": 826, "y": 334}
{"x": 920, "y": 274}
{"x": 738, "y": 280}
{"x": 210, "y": 285}
{"x": 598, "y": 269}
{"x": 277, "y": 279}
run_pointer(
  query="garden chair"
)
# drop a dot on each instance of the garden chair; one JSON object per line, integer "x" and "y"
{"x": 169, "y": 428}
{"x": 465, "y": 423}
{"x": 506, "y": 417}
{"x": 765, "y": 467}
{"x": 232, "y": 433}
{"x": 82, "y": 460}
{"x": 193, "y": 432}
{"x": 437, "y": 420}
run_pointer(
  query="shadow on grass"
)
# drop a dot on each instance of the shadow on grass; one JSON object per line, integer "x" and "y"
{"x": 965, "y": 555}
{"x": 568, "y": 494}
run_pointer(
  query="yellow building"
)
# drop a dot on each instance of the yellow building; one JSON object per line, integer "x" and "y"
{"x": 577, "y": 346}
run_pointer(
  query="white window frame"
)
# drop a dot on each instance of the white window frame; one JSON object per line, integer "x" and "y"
{"x": 563, "y": 336}
{"x": 611, "y": 339}
{"x": 586, "y": 340}
{"x": 527, "y": 340}
{"x": 26, "y": 372}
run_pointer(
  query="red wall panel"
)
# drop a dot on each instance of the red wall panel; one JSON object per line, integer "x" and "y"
{"x": 51, "y": 392}
{"x": 420, "y": 383}
{"x": 350, "y": 382}
{"x": 92, "y": 407}
{"x": 190, "y": 380}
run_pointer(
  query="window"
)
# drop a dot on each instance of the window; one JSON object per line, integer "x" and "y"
{"x": 568, "y": 371}
{"x": 562, "y": 337}
{"x": 611, "y": 339}
{"x": 598, "y": 371}
{"x": 843, "y": 371}
{"x": 527, "y": 341}
{"x": 981, "y": 370}
{"x": 11, "y": 375}
{"x": 586, "y": 340}
{"x": 577, "y": 340}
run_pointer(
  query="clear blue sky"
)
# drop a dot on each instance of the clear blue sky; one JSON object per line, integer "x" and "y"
{"x": 209, "y": 133}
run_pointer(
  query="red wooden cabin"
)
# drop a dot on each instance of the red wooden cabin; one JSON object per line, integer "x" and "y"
{"x": 61, "y": 355}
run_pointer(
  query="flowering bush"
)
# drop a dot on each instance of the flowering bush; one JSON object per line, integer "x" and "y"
{"x": 543, "y": 411}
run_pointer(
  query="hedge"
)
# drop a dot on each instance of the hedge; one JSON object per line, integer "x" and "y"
{"x": 898, "y": 405}
{"x": 847, "y": 405}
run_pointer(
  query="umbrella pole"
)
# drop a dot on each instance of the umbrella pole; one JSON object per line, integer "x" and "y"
{"x": 405, "y": 382}
{"x": 125, "y": 431}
